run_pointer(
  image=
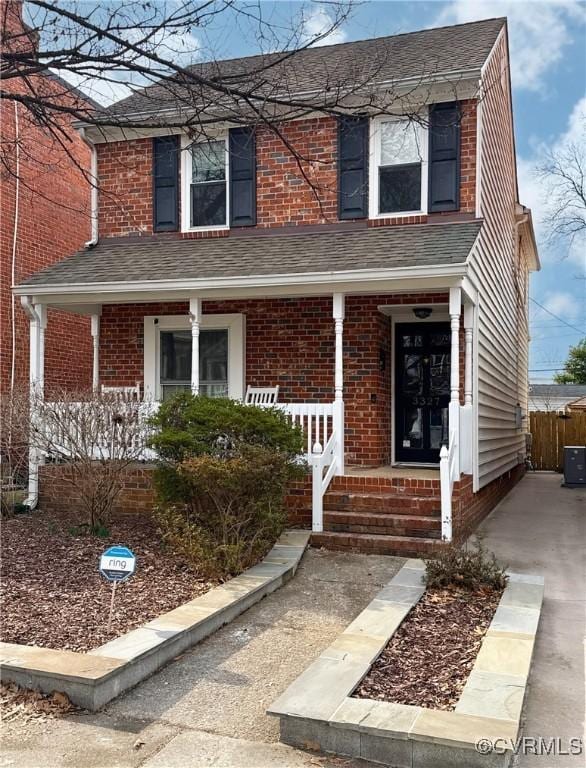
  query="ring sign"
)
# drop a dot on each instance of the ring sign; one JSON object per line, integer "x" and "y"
{"x": 117, "y": 564}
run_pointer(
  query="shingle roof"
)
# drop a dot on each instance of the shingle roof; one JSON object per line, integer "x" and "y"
{"x": 558, "y": 390}
{"x": 125, "y": 261}
{"x": 426, "y": 53}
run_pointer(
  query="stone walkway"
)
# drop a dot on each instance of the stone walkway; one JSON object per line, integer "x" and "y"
{"x": 540, "y": 527}
{"x": 208, "y": 706}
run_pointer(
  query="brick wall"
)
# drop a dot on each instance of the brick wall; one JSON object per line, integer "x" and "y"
{"x": 284, "y": 197}
{"x": 52, "y": 223}
{"x": 289, "y": 342}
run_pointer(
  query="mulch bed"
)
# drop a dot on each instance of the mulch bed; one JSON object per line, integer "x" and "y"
{"x": 427, "y": 661}
{"x": 53, "y": 596}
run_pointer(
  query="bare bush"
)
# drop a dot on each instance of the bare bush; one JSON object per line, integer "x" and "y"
{"x": 94, "y": 436}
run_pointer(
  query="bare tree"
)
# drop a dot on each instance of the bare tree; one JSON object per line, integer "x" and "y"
{"x": 138, "y": 43}
{"x": 563, "y": 172}
{"x": 94, "y": 437}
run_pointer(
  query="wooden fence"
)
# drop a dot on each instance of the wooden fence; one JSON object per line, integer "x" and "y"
{"x": 551, "y": 431}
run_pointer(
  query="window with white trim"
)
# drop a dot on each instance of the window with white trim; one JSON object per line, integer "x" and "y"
{"x": 168, "y": 349}
{"x": 207, "y": 172}
{"x": 398, "y": 167}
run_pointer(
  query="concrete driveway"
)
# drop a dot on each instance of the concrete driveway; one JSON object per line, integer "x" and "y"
{"x": 541, "y": 527}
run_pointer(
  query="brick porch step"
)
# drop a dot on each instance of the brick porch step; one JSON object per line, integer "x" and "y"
{"x": 373, "y": 544}
{"x": 383, "y": 502}
{"x": 386, "y": 524}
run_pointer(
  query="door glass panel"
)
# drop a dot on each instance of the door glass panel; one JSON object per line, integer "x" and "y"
{"x": 438, "y": 427}
{"x": 440, "y": 339}
{"x": 413, "y": 428}
{"x": 408, "y": 341}
{"x": 412, "y": 375}
{"x": 439, "y": 374}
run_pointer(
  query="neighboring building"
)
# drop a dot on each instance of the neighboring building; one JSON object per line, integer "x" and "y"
{"x": 391, "y": 313}
{"x": 45, "y": 217}
{"x": 557, "y": 397}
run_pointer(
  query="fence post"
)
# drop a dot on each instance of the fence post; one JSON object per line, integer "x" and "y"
{"x": 446, "y": 494}
{"x": 316, "y": 482}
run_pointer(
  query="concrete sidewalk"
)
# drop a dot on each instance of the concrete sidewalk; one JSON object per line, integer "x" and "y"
{"x": 540, "y": 527}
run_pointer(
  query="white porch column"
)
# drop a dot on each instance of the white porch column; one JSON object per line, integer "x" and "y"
{"x": 96, "y": 347}
{"x": 454, "y": 409}
{"x": 468, "y": 324}
{"x": 42, "y": 313}
{"x": 338, "y": 308}
{"x": 37, "y": 314}
{"x": 195, "y": 319}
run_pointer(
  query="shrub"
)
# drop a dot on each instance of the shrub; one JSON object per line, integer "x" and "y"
{"x": 470, "y": 568}
{"x": 188, "y": 426}
{"x": 222, "y": 480}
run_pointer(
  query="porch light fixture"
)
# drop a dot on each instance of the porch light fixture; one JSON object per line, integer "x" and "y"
{"x": 422, "y": 312}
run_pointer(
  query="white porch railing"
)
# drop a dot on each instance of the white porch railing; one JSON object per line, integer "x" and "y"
{"x": 322, "y": 459}
{"x": 449, "y": 471}
{"x": 315, "y": 420}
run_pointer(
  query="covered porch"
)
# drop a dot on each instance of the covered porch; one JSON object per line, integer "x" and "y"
{"x": 334, "y": 340}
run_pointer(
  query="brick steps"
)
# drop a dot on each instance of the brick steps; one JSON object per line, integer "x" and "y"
{"x": 374, "y": 544}
{"x": 422, "y": 526}
{"x": 393, "y": 502}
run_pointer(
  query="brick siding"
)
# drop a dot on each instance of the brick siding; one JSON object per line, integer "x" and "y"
{"x": 53, "y": 222}
{"x": 284, "y": 196}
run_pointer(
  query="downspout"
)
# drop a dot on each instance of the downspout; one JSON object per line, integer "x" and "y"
{"x": 94, "y": 189}
{"x": 32, "y": 499}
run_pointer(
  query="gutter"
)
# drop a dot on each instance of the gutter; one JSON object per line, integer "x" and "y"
{"x": 94, "y": 190}
{"x": 32, "y": 499}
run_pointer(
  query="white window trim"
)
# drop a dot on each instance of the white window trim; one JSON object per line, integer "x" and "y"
{"x": 233, "y": 323}
{"x": 186, "y": 187}
{"x": 375, "y": 151}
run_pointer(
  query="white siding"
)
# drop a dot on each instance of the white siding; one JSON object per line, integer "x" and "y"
{"x": 499, "y": 268}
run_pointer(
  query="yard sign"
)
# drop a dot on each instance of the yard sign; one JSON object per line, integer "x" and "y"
{"x": 117, "y": 564}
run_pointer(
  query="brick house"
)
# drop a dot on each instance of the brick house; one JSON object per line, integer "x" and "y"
{"x": 45, "y": 217}
{"x": 390, "y": 310}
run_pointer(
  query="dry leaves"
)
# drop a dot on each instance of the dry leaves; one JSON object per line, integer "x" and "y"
{"x": 53, "y": 595}
{"x": 429, "y": 658}
{"x": 24, "y": 705}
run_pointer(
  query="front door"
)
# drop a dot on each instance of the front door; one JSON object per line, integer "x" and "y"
{"x": 422, "y": 390}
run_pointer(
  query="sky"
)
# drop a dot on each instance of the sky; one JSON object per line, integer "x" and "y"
{"x": 548, "y": 62}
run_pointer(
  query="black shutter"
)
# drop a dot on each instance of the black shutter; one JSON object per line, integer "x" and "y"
{"x": 242, "y": 177}
{"x": 165, "y": 183}
{"x": 352, "y": 167}
{"x": 444, "y": 157}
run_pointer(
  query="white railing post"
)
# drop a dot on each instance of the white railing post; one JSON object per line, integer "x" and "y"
{"x": 454, "y": 408}
{"x": 195, "y": 319}
{"x": 338, "y": 418}
{"x": 446, "y": 494}
{"x": 317, "y": 496}
{"x": 468, "y": 320}
{"x": 95, "y": 321}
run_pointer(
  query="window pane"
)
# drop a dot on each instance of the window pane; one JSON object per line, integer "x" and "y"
{"x": 175, "y": 357}
{"x": 213, "y": 363}
{"x": 176, "y": 362}
{"x": 413, "y": 428}
{"x": 439, "y": 379}
{"x": 208, "y": 161}
{"x": 399, "y": 143}
{"x": 208, "y": 204}
{"x": 438, "y": 427}
{"x": 412, "y": 374}
{"x": 400, "y": 188}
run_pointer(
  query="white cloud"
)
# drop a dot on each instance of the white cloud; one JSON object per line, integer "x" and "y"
{"x": 533, "y": 191}
{"x": 317, "y": 23}
{"x": 563, "y": 304}
{"x": 538, "y": 32}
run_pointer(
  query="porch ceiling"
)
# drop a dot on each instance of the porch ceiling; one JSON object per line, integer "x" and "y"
{"x": 125, "y": 264}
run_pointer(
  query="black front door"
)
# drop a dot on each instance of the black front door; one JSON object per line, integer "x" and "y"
{"x": 422, "y": 390}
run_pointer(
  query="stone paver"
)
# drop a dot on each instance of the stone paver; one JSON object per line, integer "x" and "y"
{"x": 222, "y": 687}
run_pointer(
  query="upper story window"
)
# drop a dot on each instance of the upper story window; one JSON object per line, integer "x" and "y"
{"x": 205, "y": 195}
{"x": 208, "y": 184}
{"x": 398, "y": 167}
